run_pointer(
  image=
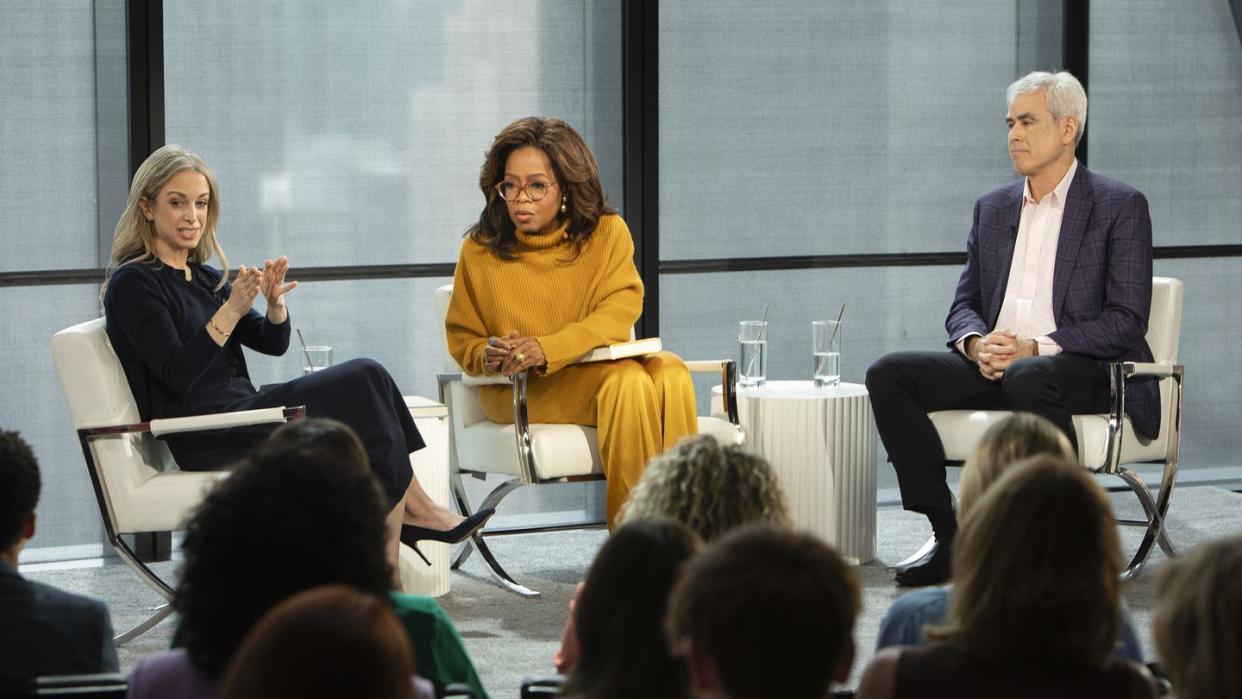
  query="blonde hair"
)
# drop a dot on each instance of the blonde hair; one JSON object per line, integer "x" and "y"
{"x": 710, "y": 488}
{"x": 1198, "y": 623}
{"x": 1018, "y": 436}
{"x": 1036, "y": 569}
{"x": 134, "y": 239}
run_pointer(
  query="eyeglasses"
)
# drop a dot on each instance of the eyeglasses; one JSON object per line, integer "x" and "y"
{"x": 535, "y": 190}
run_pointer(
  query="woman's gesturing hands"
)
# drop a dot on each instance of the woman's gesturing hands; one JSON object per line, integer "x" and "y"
{"x": 510, "y": 355}
{"x": 245, "y": 288}
{"x": 269, "y": 281}
{"x": 273, "y": 283}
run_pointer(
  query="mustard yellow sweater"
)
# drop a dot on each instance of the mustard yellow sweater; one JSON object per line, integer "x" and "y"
{"x": 570, "y": 305}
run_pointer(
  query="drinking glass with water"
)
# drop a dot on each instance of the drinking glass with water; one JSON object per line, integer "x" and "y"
{"x": 826, "y": 352}
{"x": 318, "y": 357}
{"x": 752, "y": 369}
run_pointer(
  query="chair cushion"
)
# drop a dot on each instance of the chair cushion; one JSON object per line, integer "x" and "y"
{"x": 560, "y": 450}
{"x": 961, "y": 430}
{"x": 143, "y": 498}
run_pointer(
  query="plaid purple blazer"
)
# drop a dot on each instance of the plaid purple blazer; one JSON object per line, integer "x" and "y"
{"x": 1101, "y": 282}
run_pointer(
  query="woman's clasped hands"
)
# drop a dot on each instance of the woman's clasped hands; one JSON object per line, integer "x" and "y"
{"x": 510, "y": 355}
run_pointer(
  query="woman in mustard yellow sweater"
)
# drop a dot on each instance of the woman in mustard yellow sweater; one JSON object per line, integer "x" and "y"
{"x": 548, "y": 274}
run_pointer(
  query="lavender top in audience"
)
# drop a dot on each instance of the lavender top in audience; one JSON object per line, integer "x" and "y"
{"x": 172, "y": 674}
{"x": 903, "y": 623}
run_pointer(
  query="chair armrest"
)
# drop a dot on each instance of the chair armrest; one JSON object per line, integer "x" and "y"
{"x": 199, "y": 423}
{"x": 217, "y": 421}
{"x": 1160, "y": 369}
{"x": 485, "y": 380}
{"x": 728, "y": 381}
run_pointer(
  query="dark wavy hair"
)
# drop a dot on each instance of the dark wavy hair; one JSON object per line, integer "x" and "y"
{"x": 576, "y": 172}
{"x": 619, "y": 616}
{"x": 302, "y": 511}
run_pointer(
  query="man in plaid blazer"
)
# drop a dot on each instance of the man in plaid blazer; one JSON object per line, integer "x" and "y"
{"x": 1057, "y": 281}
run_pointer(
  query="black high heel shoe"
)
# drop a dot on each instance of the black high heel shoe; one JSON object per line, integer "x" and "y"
{"x": 412, "y": 534}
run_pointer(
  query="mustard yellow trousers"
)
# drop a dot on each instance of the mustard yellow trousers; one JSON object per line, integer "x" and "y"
{"x": 639, "y": 407}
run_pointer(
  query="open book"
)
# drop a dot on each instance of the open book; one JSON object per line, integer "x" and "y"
{"x": 633, "y": 348}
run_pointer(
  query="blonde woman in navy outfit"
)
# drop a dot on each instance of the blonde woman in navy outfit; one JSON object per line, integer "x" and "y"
{"x": 178, "y": 327}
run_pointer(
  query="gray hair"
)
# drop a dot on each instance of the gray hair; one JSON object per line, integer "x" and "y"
{"x": 1062, "y": 92}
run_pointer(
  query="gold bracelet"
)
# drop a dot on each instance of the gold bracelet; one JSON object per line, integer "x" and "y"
{"x": 212, "y": 322}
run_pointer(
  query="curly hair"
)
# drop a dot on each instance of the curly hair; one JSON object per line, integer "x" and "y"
{"x": 19, "y": 486}
{"x": 575, "y": 169}
{"x": 302, "y": 511}
{"x": 619, "y": 616}
{"x": 1198, "y": 624}
{"x": 710, "y": 488}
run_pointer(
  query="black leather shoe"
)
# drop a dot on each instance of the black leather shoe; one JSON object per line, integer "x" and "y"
{"x": 412, "y": 534}
{"x": 932, "y": 569}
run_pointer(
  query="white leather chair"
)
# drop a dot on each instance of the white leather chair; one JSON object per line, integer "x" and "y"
{"x": 136, "y": 482}
{"x": 1107, "y": 443}
{"x": 531, "y": 454}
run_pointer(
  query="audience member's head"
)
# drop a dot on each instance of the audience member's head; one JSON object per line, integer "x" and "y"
{"x": 302, "y": 511}
{"x": 1036, "y": 569}
{"x": 765, "y": 612}
{"x": 19, "y": 493}
{"x": 1018, "y": 436}
{"x": 325, "y": 642}
{"x": 619, "y": 614}
{"x": 1198, "y": 625}
{"x": 710, "y": 488}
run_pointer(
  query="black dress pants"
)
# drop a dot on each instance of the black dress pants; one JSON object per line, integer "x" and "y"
{"x": 905, "y": 386}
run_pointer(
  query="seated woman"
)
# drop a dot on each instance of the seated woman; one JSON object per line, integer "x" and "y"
{"x": 1034, "y": 610}
{"x": 330, "y": 641}
{"x": 1198, "y": 624}
{"x": 548, "y": 274}
{"x": 1017, "y": 437}
{"x": 178, "y": 327}
{"x": 303, "y": 511}
{"x": 709, "y": 487}
{"x": 620, "y": 614}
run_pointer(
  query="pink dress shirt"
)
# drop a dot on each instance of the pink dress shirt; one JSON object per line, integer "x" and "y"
{"x": 1027, "y": 306}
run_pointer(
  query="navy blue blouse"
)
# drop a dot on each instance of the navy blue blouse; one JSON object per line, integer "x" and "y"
{"x": 157, "y": 322}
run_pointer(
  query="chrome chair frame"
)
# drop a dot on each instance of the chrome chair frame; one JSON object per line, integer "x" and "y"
{"x": 529, "y": 471}
{"x": 115, "y": 539}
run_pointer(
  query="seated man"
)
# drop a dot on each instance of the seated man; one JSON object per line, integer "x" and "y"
{"x": 764, "y": 612}
{"x": 45, "y": 631}
{"x": 1057, "y": 280}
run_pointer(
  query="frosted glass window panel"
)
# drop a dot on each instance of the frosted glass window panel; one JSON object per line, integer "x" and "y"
{"x": 32, "y": 403}
{"x": 1213, "y": 406}
{"x": 353, "y": 133}
{"x": 392, "y": 321}
{"x": 47, "y": 136}
{"x": 886, "y": 310}
{"x": 903, "y": 308}
{"x": 810, "y": 128}
{"x": 1165, "y": 95}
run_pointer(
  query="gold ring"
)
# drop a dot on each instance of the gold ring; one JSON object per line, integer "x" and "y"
{"x": 520, "y": 357}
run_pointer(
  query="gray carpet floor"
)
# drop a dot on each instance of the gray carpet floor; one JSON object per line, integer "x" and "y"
{"x": 509, "y": 637}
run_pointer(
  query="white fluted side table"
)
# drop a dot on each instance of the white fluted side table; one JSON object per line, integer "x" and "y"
{"x": 821, "y": 443}
{"x": 431, "y": 469}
